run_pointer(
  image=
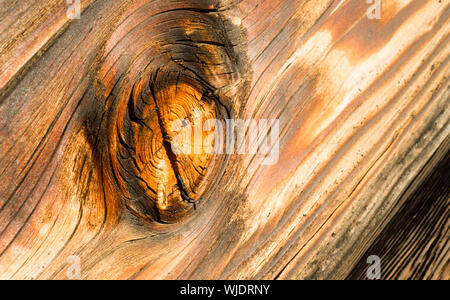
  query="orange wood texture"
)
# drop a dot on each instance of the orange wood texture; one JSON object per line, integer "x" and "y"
{"x": 362, "y": 105}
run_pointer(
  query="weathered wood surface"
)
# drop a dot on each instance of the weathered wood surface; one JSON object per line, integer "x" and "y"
{"x": 415, "y": 244}
{"x": 362, "y": 103}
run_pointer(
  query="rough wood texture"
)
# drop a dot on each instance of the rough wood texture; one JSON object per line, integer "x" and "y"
{"x": 415, "y": 244}
{"x": 363, "y": 104}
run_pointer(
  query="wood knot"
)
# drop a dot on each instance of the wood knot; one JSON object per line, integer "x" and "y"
{"x": 169, "y": 152}
{"x": 162, "y": 78}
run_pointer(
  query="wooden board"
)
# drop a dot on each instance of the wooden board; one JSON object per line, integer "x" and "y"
{"x": 415, "y": 244}
{"x": 362, "y": 106}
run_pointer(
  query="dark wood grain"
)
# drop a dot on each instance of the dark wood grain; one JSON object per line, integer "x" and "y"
{"x": 416, "y": 242}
